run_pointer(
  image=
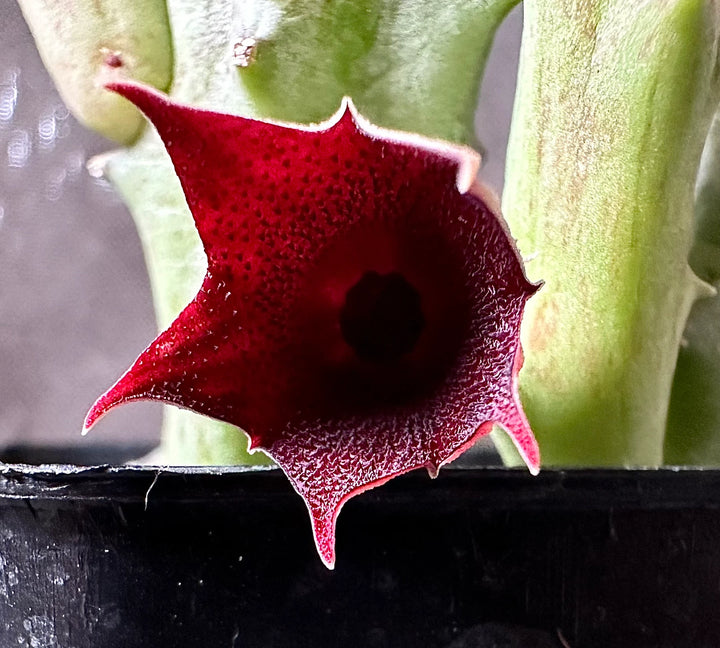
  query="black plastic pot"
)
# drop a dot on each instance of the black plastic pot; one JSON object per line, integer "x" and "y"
{"x": 143, "y": 557}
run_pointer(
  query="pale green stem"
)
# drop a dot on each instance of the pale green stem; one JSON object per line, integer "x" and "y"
{"x": 80, "y": 42}
{"x": 614, "y": 101}
{"x": 693, "y": 431}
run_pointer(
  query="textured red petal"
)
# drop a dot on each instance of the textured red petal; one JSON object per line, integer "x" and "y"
{"x": 360, "y": 315}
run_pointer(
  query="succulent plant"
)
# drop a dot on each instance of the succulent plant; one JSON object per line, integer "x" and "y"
{"x": 360, "y": 315}
{"x": 362, "y": 291}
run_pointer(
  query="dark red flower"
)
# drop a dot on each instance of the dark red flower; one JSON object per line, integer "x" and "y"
{"x": 361, "y": 310}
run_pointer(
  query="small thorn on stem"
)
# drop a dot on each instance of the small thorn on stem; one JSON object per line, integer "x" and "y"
{"x": 112, "y": 58}
{"x": 244, "y": 52}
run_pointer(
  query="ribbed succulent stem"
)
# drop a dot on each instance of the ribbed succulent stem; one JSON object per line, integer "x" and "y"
{"x": 613, "y": 105}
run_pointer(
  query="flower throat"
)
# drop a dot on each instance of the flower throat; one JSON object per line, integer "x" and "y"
{"x": 382, "y": 318}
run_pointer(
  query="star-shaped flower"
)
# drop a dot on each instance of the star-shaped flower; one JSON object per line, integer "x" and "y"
{"x": 361, "y": 310}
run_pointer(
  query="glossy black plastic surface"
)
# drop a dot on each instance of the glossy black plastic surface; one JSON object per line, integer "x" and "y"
{"x": 135, "y": 557}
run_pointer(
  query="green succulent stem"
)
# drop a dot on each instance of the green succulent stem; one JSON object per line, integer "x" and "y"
{"x": 82, "y": 41}
{"x": 613, "y": 104}
{"x": 409, "y": 65}
{"x": 693, "y": 430}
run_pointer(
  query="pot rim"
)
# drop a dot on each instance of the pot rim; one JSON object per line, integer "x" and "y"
{"x": 485, "y": 487}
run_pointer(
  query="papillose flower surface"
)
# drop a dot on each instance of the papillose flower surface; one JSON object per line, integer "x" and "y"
{"x": 361, "y": 310}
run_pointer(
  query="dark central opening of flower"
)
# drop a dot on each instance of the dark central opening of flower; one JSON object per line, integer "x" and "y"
{"x": 382, "y": 317}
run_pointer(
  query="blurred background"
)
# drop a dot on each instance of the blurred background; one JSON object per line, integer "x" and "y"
{"x": 75, "y": 305}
